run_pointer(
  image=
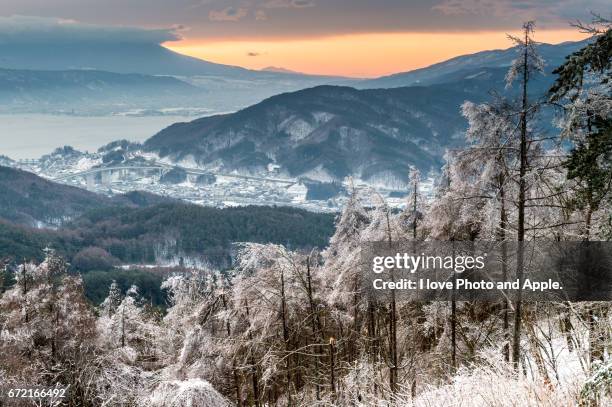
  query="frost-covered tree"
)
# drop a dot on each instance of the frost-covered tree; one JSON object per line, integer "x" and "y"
{"x": 270, "y": 295}
{"x": 583, "y": 89}
{"x": 482, "y": 170}
{"x": 415, "y": 204}
{"x": 124, "y": 321}
{"x": 112, "y": 301}
{"x": 381, "y": 228}
{"x": 523, "y": 68}
{"x": 451, "y": 215}
{"x": 342, "y": 275}
{"x": 342, "y": 255}
{"x": 48, "y": 329}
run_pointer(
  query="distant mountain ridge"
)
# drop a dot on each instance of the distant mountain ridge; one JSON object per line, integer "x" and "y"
{"x": 111, "y": 78}
{"x": 329, "y": 132}
{"x": 553, "y": 54}
{"x": 90, "y": 73}
{"x": 98, "y": 92}
{"x": 279, "y": 70}
{"x": 91, "y": 91}
{"x": 142, "y": 58}
{"x": 150, "y": 59}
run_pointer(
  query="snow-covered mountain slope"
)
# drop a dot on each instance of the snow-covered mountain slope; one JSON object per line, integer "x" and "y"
{"x": 470, "y": 64}
{"x": 325, "y": 133}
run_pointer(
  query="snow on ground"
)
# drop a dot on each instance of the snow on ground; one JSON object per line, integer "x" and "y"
{"x": 87, "y": 163}
{"x": 186, "y": 393}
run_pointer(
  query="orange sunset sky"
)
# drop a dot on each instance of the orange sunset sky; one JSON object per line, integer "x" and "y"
{"x": 355, "y": 55}
{"x": 358, "y": 38}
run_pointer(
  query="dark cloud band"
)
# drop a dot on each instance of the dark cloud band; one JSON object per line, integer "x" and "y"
{"x": 226, "y": 19}
{"x": 26, "y": 30}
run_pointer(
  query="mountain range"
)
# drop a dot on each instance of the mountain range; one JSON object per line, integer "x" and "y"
{"x": 329, "y": 132}
{"x": 471, "y": 65}
{"x": 324, "y": 133}
{"x": 92, "y": 92}
{"x": 143, "y": 58}
{"x": 96, "y": 92}
{"x": 103, "y": 78}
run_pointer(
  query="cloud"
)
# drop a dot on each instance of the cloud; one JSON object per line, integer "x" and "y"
{"x": 260, "y": 15}
{"x": 284, "y": 19}
{"x": 556, "y": 11}
{"x": 302, "y": 3}
{"x": 288, "y": 3}
{"x": 180, "y": 27}
{"x": 228, "y": 14}
{"x": 253, "y": 54}
{"x": 43, "y": 30}
{"x": 464, "y": 7}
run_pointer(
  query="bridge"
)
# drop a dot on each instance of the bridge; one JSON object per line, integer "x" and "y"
{"x": 164, "y": 168}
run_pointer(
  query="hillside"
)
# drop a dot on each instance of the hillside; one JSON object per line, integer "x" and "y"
{"x": 139, "y": 227}
{"x": 30, "y": 200}
{"x": 326, "y": 132}
{"x": 91, "y": 92}
{"x": 166, "y": 234}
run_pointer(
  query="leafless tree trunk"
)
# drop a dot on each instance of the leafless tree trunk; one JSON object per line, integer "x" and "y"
{"x": 332, "y": 367}
{"x": 234, "y": 370}
{"x": 123, "y": 326}
{"x": 283, "y": 311}
{"x": 516, "y": 341}
{"x": 315, "y": 324}
{"x": 252, "y": 362}
{"x": 503, "y": 220}
{"x": 393, "y": 360}
{"x": 414, "y": 211}
{"x": 24, "y": 292}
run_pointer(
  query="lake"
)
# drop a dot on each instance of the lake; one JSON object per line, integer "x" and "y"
{"x": 33, "y": 135}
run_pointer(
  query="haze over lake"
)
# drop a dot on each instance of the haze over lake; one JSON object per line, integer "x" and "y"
{"x": 33, "y": 135}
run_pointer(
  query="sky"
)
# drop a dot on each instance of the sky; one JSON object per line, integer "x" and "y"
{"x": 355, "y": 38}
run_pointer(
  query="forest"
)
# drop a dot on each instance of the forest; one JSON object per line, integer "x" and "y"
{"x": 174, "y": 236}
{"x": 162, "y": 231}
{"x": 285, "y": 326}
